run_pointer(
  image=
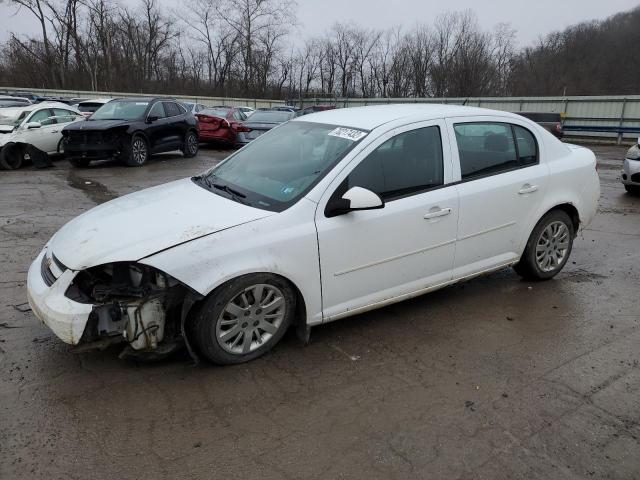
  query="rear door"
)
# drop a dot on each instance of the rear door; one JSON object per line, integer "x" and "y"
{"x": 176, "y": 124}
{"x": 64, "y": 117}
{"x": 501, "y": 184}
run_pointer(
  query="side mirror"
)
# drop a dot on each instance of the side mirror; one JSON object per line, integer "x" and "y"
{"x": 31, "y": 125}
{"x": 152, "y": 118}
{"x": 355, "y": 199}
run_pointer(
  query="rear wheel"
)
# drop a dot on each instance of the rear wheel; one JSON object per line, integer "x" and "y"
{"x": 633, "y": 189}
{"x": 548, "y": 248}
{"x": 190, "y": 148}
{"x": 244, "y": 318}
{"x": 11, "y": 157}
{"x": 137, "y": 152}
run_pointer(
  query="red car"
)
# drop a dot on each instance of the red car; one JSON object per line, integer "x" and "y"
{"x": 221, "y": 125}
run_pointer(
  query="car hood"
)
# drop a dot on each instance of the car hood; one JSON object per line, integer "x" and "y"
{"x": 96, "y": 124}
{"x": 140, "y": 224}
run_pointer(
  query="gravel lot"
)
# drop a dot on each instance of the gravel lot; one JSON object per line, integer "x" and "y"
{"x": 492, "y": 379}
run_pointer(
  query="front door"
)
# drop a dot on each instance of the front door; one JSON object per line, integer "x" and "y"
{"x": 45, "y": 137}
{"x": 369, "y": 257}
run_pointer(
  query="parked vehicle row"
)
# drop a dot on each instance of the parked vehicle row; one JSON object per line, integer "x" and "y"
{"x": 301, "y": 227}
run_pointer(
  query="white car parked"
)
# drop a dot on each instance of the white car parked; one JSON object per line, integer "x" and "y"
{"x": 89, "y": 107}
{"x": 631, "y": 170}
{"x": 327, "y": 216}
{"x": 39, "y": 127}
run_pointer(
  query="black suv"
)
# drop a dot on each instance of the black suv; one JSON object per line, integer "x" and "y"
{"x": 131, "y": 129}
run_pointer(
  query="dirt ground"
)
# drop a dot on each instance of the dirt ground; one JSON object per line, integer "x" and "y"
{"x": 493, "y": 379}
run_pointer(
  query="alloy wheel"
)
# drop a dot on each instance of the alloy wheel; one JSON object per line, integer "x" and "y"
{"x": 251, "y": 319}
{"x": 552, "y": 246}
{"x": 139, "y": 151}
{"x": 192, "y": 144}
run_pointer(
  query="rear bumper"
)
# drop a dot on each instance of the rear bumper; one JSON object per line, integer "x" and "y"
{"x": 630, "y": 174}
{"x": 66, "y": 318}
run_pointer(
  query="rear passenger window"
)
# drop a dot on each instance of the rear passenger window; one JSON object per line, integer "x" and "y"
{"x": 172, "y": 109}
{"x": 490, "y": 148}
{"x": 527, "y": 146}
{"x": 409, "y": 163}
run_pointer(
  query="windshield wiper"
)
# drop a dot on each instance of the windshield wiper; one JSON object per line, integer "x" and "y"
{"x": 229, "y": 190}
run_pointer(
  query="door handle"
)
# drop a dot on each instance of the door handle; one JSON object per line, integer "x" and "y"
{"x": 437, "y": 212}
{"x": 55, "y": 131}
{"x": 527, "y": 188}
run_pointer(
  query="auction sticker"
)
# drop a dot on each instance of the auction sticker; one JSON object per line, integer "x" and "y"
{"x": 348, "y": 133}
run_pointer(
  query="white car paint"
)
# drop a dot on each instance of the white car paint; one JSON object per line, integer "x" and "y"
{"x": 92, "y": 103}
{"x": 341, "y": 265}
{"x": 47, "y": 135}
{"x": 631, "y": 167}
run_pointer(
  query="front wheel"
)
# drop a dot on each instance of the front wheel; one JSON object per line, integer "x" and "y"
{"x": 190, "y": 148}
{"x": 244, "y": 318}
{"x": 137, "y": 152}
{"x": 11, "y": 157}
{"x": 548, "y": 248}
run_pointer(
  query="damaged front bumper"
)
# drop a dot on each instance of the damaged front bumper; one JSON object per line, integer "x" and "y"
{"x": 119, "y": 302}
{"x": 65, "y": 317}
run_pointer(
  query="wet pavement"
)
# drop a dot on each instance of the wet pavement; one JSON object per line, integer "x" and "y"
{"x": 496, "y": 378}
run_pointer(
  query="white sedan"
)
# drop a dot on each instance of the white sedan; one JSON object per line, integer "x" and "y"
{"x": 33, "y": 129}
{"x": 327, "y": 216}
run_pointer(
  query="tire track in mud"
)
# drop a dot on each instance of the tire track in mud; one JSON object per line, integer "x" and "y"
{"x": 96, "y": 191}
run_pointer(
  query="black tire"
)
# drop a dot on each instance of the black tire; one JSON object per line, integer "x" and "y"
{"x": 633, "y": 190}
{"x": 529, "y": 267}
{"x": 11, "y": 157}
{"x": 136, "y": 154}
{"x": 207, "y": 323}
{"x": 190, "y": 147}
{"x": 79, "y": 162}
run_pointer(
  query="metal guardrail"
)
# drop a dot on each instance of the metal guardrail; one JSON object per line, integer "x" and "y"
{"x": 209, "y": 101}
{"x": 613, "y": 117}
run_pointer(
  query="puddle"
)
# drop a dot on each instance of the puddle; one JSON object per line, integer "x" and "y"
{"x": 96, "y": 191}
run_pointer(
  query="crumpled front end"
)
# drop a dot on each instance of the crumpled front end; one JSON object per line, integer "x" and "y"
{"x": 46, "y": 287}
{"x": 111, "y": 303}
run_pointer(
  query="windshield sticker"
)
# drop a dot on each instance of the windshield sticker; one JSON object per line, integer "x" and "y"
{"x": 142, "y": 103}
{"x": 287, "y": 190}
{"x": 348, "y": 134}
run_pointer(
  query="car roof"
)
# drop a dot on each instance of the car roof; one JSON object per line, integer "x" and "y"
{"x": 11, "y": 97}
{"x": 95, "y": 100}
{"x": 370, "y": 117}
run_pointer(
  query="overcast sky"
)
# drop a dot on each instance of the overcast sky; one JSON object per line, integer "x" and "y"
{"x": 531, "y": 18}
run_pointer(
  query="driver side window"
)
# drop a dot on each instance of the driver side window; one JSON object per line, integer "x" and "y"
{"x": 407, "y": 164}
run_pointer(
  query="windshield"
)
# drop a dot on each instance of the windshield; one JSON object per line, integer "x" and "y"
{"x": 277, "y": 169}
{"x": 271, "y": 117}
{"x": 120, "y": 110}
{"x": 12, "y": 118}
